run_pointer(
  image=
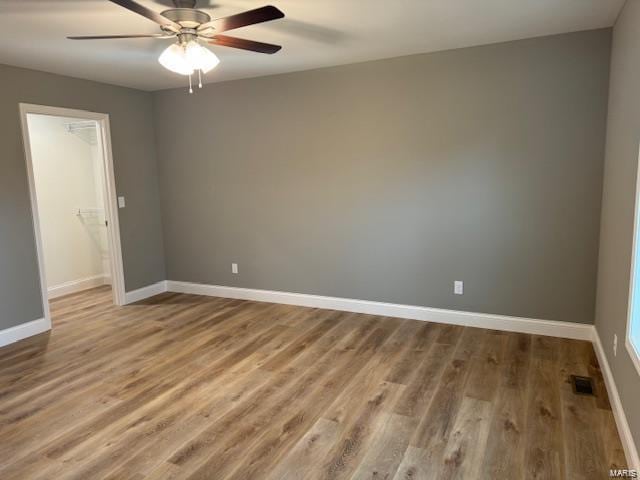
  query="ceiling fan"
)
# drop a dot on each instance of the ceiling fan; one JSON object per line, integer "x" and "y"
{"x": 190, "y": 26}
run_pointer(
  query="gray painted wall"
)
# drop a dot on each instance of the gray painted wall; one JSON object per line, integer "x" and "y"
{"x": 135, "y": 166}
{"x": 616, "y": 234}
{"x": 389, "y": 180}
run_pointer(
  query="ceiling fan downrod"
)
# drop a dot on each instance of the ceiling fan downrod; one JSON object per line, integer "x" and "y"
{"x": 185, "y": 3}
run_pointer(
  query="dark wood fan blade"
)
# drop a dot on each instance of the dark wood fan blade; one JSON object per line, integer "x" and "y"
{"x": 243, "y": 44}
{"x": 106, "y": 37}
{"x": 250, "y": 17}
{"x": 150, "y": 14}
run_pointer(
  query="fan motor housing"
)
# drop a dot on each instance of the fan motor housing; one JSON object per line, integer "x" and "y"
{"x": 187, "y": 17}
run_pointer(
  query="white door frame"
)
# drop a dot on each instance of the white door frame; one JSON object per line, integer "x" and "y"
{"x": 111, "y": 200}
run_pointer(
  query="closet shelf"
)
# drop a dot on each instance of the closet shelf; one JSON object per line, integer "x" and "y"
{"x": 89, "y": 211}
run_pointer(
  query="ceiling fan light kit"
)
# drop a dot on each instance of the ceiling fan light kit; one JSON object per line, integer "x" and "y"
{"x": 190, "y": 26}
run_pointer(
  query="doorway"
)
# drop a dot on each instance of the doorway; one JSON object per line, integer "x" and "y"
{"x": 73, "y": 199}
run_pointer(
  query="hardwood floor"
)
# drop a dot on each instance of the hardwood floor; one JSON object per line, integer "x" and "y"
{"x": 182, "y": 386}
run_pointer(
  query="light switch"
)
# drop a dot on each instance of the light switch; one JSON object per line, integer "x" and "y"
{"x": 121, "y": 202}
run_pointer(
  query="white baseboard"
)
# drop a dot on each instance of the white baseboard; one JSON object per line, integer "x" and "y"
{"x": 13, "y": 334}
{"x": 481, "y": 320}
{"x": 77, "y": 286}
{"x": 145, "y": 292}
{"x": 630, "y": 449}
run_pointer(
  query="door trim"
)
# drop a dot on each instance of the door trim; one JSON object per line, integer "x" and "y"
{"x": 111, "y": 201}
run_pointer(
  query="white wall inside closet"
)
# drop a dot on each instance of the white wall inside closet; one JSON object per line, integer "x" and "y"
{"x": 68, "y": 173}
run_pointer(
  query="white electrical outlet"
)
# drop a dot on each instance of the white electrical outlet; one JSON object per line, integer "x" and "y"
{"x": 458, "y": 287}
{"x": 121, "y": 202}
{"x": 234, "y": 268}
{"x": 615, "y": 344}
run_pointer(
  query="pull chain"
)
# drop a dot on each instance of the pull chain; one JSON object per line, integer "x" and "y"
{"x": 190, "y": 87}
{"x": 199, "y": 78}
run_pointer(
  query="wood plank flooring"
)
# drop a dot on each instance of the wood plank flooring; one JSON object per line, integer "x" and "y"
{"x": 188, "y": 387}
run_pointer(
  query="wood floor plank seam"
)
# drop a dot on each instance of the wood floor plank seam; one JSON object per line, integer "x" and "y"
{"x": 187, "y": 387}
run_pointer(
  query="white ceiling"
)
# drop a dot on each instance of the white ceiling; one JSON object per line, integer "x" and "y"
{"x": 315, "y": 33}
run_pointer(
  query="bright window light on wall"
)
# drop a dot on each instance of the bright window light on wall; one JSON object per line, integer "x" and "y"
{"x": 633, "y": 322}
